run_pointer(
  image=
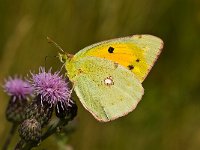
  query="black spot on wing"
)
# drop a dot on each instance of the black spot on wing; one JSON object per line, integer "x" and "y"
{"x": 110, "y": 49}
{"x": 130, "y": 67}
{"x": 137, "y": 60}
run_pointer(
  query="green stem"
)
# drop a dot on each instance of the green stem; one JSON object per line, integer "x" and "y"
{"x": 19, "y": 145}
{"x": 8, "y": 140}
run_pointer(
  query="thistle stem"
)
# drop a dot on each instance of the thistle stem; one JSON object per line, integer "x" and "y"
{"x": 19, "y": 145}
{"x": 8, "y": 140}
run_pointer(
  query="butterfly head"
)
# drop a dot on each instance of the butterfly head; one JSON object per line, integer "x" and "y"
{"x": 64, "y": 57}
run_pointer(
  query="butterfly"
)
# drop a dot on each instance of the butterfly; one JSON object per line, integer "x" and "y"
{"x": 107, "y": 76}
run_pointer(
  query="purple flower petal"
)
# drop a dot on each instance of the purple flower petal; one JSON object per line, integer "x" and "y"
{"x": 17, "y": 88}
{"x": 50, "y": 86}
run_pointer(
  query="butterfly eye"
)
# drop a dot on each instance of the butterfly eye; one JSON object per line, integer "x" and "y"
{"x": 62, "y": 57}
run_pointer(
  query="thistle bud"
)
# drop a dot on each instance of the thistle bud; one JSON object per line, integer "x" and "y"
{"x": 18, "y": 90}
{"x": 30, "y": 130}
{"x": 41, "y": 112}
{"x": 66, "y": 110}
{"x": 53, "y": 91}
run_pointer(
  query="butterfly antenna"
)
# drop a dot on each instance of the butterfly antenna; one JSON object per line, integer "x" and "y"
{"x": 55, "y": 44}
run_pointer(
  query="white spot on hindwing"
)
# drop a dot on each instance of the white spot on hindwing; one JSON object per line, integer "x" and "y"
{"x": 108, "y": 81}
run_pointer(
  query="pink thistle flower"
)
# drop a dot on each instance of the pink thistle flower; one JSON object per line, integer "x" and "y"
{"x": 51, "y": 87}
{"x": 17, "y": 88}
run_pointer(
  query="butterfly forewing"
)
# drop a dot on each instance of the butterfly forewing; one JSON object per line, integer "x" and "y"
{"x": 137, "y": 53}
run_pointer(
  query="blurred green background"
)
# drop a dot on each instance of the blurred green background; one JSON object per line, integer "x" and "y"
{"x": 167, "y": 118}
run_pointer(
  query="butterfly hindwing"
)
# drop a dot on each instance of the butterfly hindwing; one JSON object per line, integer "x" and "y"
{"x": 106, "y": 89}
